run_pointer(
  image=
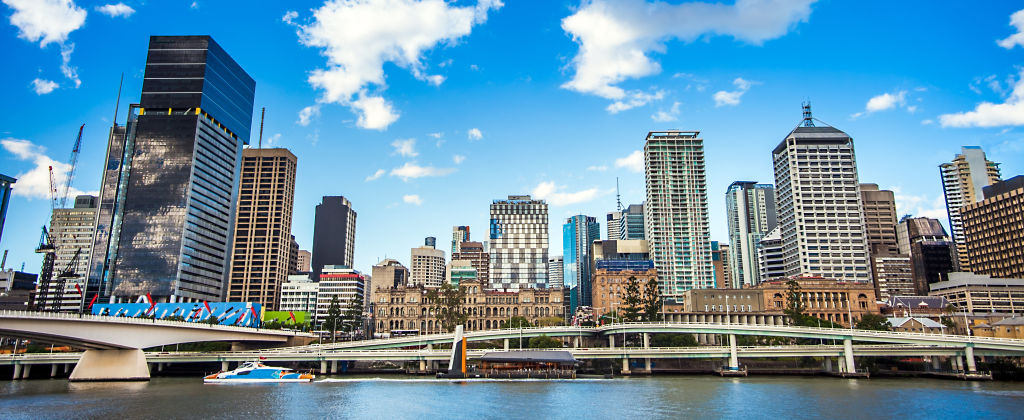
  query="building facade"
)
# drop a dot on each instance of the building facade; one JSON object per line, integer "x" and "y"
{"x": 750, "y": 211}
{"x": 612, "y": 276}
{"x": 170, "y": 184}
{"x": 994, "y": 230}
{"x": 890, "y": 271}
{"x": 5, "y": 199}
{"x": 427, "y": 267}
{"x": 408, "y": 309}
{"x": 979, "y": 293}
{"x": 963, "y": 183}
{"x": 334, "y": 233}
{"x": 631, "y": 226}
{"x": 771, "y": 263}
{"x": 262, "y": 256}
{"x": 720, "y": 260}
{"x": 578, "y": 233}
{"x": 829, "y": 299}
{"x": 71, "y": 232}
{"x": 893, "y": 276}
{"x": 676, "y": 211}
{"x": 519, "y": 243}
{"x": 390, "y": 273}
{"x": 478, "y": 258}
{"x": 613, "y": 223}
{"x": 338, "y": 281}
{"x": 299, "y": 293}
{"x": 819, "y": 203}
{"x": 556, "y": 266}
{"x": 460, "y": 234}
{"x": 302, "y": 261}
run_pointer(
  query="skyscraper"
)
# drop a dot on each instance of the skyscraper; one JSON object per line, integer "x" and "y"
{"x": 930, "y": 249}
{"x": 631, "y": 225}
{"x": 262, "y": 256}
{"x": 750, "y": 210}
{"x": 613, "y": 222}
{"x": 460, "y": 234}
{"x": 5, "y": 199}
{"x": 71, "y": 231}
{"x": 555, "y": 268}
{"x": 578, "y": 233}
{"x": 427, "y": 266}
{"x": 963, "y": 183}
{"x": 519, "y": 243}
{"x": 170, "y": 183}
{"x": 334, "y": 233}
{"x": 771, "y": 264}
{"x": 890, "y": 270}
{"x": 676, "y": 211}
{"x": 819, "y": 203}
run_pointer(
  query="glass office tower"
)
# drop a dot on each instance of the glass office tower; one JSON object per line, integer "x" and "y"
{"x": 170, "y": 183}
{"x": 578, "y": 233}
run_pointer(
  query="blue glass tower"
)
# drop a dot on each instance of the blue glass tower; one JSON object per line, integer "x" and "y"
{"x": 578, "y": 233}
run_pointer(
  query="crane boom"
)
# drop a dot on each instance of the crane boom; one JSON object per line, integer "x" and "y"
{"x": 71, "y": 172}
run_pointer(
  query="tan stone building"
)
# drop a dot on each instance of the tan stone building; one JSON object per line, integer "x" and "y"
{"x": 408, "y": 310}
{"x": 1007, "y": 328}
{"x": 994, "y": 230}
{"x": 261, "y": 259}
{"x": 828, "y": 299}
{"x": 608, "y": 287}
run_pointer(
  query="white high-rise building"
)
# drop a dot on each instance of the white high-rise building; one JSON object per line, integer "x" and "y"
{"x": 71, "y": 231}
{"x": 770, "y": 262}
{"x": 427, "y": 267}
{"x": 676, "y": 211}
{"x": 819, "y": 203}
{"x": 338, "y": 280}
{"x": 750, "y": 208}
{"x": 299, "y": 293}
{"x": 612, "y": 225}
{"x": 963, "y": 181}
{"x": 519, "y": 243}
{"x": 555, "y": 271}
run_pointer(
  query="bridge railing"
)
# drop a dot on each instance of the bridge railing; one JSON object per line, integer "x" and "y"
{"x": 137, "y": 321}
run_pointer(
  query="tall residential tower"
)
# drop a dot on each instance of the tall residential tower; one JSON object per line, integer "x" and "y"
{"x": 963, "y": 183}
{"x": 750, "y": 210}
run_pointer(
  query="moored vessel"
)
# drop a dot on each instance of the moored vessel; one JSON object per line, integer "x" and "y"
{"x": 256, "y": 372}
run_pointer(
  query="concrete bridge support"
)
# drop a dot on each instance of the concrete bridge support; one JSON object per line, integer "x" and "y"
{"x": 111, "y": 365}
{"x": 969, "y": 350}
{"x": 323, "y": 367}
{"x": 851, "y": 367}
{"x": 17, "y": 372}
{"x": 936, "y": 364}
{"x": 334, "y": 367}
{"x": 625, "y": 364}
{"x": 224, "y": 366}
{"x": 506, "y": 344}
{"x": 828, "y": 364}
{"x": 734, "y": 362}
{"x": 53, "y": 370}
{"x": 611, "y": 341}
{"x": 647, "y": 344}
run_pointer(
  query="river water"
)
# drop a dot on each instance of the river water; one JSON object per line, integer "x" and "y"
{"x": 384, "y": 398}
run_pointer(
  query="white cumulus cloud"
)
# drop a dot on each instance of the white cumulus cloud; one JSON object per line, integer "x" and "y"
{"x": 458, "y": 159}
{"x": 634, "y": 99}
{"x": 412, "y": 171}
{"x": 633, "y": 162}
{"x": 35, "y": 183}
{"x": 378, "y": 174}
{"x": 307, "y": 114}
{"x": 46, "y": 21}
{"x": 552, "y": 193}
{"x": 597, "y": 168}
{"x": 732, "y": 98}
{"x": 884, "y": 102}
{"x": 289, "y": 16}
{"x": 42, "y": 87}
{"x": 116, "y": 10}
{"x": 475, "y": 134}
{"x": 920, "y": 205}
{"x": 412, "y": 199}
{"x": 358, "y": 37}
{"x": 1017, "y": 21}
{"x": 405, "y": 147}
{"x": 988, "y": 114}
{"x": 616, "y": 38}
{"x": 666, "y": 116}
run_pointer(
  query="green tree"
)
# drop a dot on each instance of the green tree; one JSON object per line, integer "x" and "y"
{"x": 610, "y": 317}
{"x": 544, "y": 342}
{"x": 794, "y": 304}
{"x": 353, "y": 318}
{"x": 550, "y": 321}
{"x": 631, "y": 303}
{"x": 874, "y": 322}
{"x": 517, "y": 322}
{"x": 446, "y": 302}
{"x": 333, "y": 317}
{"x": 652, "y": 301}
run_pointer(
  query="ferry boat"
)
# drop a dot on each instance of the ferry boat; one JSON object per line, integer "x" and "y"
{"x": 256, "y": 372}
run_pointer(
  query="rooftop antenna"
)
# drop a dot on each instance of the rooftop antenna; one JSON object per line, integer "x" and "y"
{"x": 263, "y": 113}
{"x": 808, "y": 119}
{"x": 618, "y": 198}
{"x": 118, "y": 103}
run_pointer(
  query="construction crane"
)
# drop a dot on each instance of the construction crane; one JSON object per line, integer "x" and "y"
{"x": 47, "y": 245}
{"x": 49, "y": 252}
{"x": 71, "y": 172}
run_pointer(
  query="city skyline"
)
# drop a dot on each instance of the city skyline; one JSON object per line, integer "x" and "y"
{"x": 502, "y": 128}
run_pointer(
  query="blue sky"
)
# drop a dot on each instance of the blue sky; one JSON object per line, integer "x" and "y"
{"x": 422, "y": 112}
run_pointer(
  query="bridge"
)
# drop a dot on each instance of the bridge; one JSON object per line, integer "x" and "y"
{"x": 114, "y": 344}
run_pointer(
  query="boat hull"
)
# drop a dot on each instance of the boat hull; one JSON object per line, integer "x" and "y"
{"x": 253, "y": 381}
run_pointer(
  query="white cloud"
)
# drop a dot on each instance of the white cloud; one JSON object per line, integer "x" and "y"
{"x": 987, "y": 114}
{"x": 458, "y": 159}
{"x": 435, "y": 135}
{"x": 36, "y": 182}
{"x": 616, "y": 37}
{"x": 550, "y": 192}
{"x": 598, "y": 168}
{"x": 666, "y": 116}
{"x": 116, "y": 10}
{"x": 43, "y": 87}
{"x": 920, "y": 205}
{"x": 195, "y": 5}
{"x": 633, "y": 162}
{"x": 289, "y": 16}
{"x": 46, "y": 21}
{"x": 405, "y": 147}
{"x": 634, "y": 99}
{"x": 412, "y": 199}
{"x": 65, "y": 64}
{"x": 359, "y": 36}
{"x": 475, "y": 134}
{"x": 274, "y": 139}
{"x": 927, "y": 122}
{"x": 307, "y": 114}
{"x": 732, "y": 98}
{"x": 411, "y": 171}
{"x": 1017, "y": 21}
{"x": 378, "y": 174}
{"x": 886, "y": 101}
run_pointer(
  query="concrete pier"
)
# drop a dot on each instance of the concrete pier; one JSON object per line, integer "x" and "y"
{"x": 111, "y": 365}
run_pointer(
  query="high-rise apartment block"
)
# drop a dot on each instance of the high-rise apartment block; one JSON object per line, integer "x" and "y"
{"x": 750, "y": 210}
{"x": 578, "y": 233}
{"x": 5, "y": 199}
{"x": 478, "y": 258}
{"x": 676, "y": 211}
{"x": 819, "y": 203}
{"x": 963, "y": 183}
{"x": 427, "y": 267}
{"x": 262, "y": 256}
{"x": 71, "y": 232}
{"x": 519, "y": 243}
{"x": 170, "y": 183}
{"x": 994, "y": 230}
{"x": 334, "y": 233}
{"x": 460, "y": 234}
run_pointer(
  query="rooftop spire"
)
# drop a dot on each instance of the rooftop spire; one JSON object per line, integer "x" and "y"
{"x": 808, "y": 119}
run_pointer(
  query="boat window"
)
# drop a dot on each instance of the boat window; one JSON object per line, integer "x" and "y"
{"x": 244, "y": 373}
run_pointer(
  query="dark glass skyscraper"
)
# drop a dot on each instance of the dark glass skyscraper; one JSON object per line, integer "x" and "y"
{"x": 334, "y": 233}
{"x": 170, "y": 183}
{"x": 578, "y": 233}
